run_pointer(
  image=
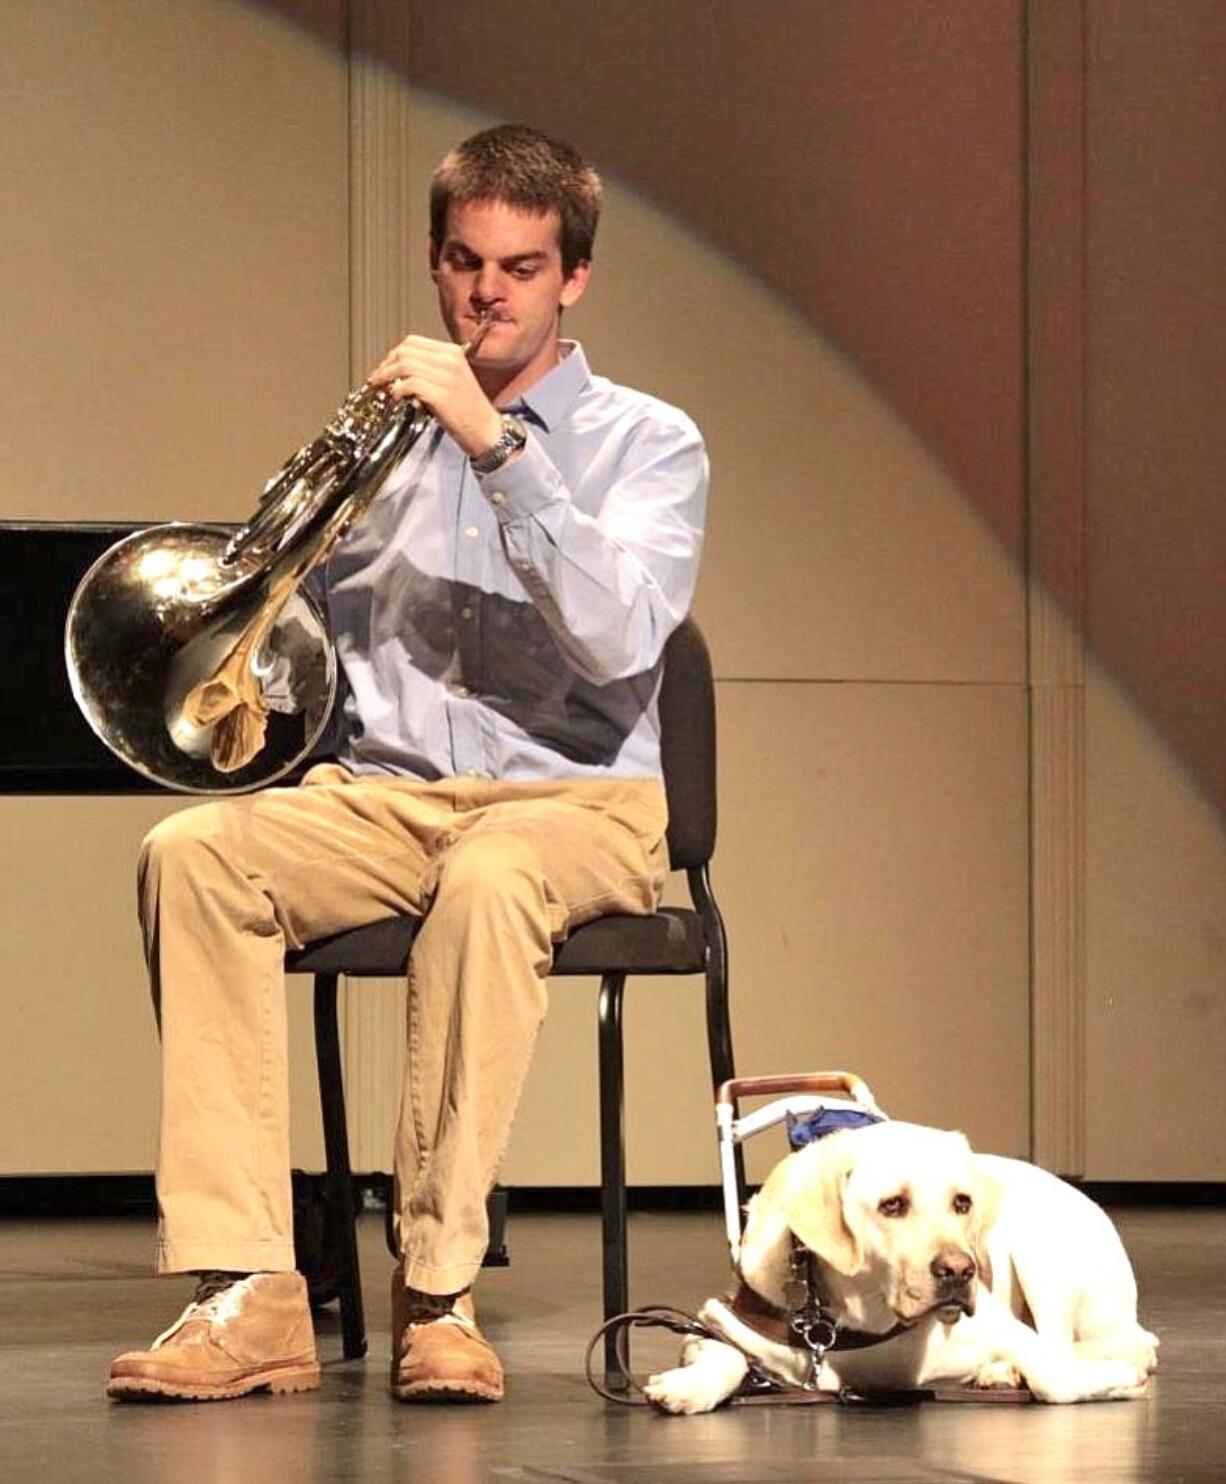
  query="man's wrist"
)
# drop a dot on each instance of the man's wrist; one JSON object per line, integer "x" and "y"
{"x": 510, "y": 439}
{"x": 475, "y": 444}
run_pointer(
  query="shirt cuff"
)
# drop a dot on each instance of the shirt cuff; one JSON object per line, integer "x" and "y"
{"x": 523, "y": 487}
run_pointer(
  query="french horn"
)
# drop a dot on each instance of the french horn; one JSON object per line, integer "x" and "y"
{"x": 195, "y": 653}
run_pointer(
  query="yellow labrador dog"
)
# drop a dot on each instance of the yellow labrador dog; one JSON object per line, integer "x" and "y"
{"x": 978, "y": 1270}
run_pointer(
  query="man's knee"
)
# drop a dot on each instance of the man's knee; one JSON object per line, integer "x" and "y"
{"x": 495, "y": 883}
{"x": 491, "y": 867}
{"x": 183, "y": 830}
{"x": 175, "y": 841}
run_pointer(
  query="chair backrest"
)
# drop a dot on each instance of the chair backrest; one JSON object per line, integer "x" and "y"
{"x": 687, "y": 744}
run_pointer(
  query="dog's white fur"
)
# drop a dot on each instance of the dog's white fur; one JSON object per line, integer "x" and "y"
{"x": 1003, "y": 1275}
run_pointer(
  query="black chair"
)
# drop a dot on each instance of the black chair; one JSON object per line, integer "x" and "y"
{"x": 674, "y": 940}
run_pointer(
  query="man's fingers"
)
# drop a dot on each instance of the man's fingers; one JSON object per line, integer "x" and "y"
{"x": 416, "y": 352}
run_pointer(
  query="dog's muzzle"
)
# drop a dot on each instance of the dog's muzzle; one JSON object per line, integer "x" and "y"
{"x": 953, "y": 1272}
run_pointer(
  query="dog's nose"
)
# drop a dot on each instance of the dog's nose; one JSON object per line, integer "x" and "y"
{"x": 953, "y": 1267}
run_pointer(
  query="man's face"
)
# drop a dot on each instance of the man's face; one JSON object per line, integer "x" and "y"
{"x": 508, "y": 262}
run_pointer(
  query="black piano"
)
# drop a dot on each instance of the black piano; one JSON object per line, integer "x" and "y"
{"x": 46, "y": 745}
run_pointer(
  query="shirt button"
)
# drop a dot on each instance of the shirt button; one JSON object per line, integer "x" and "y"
{"x": 473, "y": 773}
{"x": 466, "y": 613}
{"x": 497, "y": 497}
{"x": 463, "y": 692}
{"x": 524, "y": 566}
{"x": 471, "y": 532}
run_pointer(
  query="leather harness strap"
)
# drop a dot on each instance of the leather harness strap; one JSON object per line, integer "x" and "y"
{"x": 774, "y": 1323}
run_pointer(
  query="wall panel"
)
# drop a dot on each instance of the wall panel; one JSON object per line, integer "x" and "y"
{"x": 174, "y": 295}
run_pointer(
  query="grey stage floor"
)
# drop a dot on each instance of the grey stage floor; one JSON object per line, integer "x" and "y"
{"x": 74, "y": 1293}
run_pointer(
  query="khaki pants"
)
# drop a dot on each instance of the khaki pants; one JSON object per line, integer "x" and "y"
{"x": 501, "y": 870}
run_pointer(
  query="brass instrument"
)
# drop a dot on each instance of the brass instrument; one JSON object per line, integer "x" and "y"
{"x": 195, "y": 654}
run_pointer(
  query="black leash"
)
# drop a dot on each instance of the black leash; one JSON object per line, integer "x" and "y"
{"x": 758, "y": 1388}
{"x": 650, "y": 1316}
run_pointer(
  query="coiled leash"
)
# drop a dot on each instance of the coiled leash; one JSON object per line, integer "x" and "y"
{"x": 650, "y": 1316}
{"x": 817, "y": 1336}
{"x": 759, "y": 1388}
{"x": 805, "y": 1326}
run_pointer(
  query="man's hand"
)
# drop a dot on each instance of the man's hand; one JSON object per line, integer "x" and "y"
{"x": 438, "y": 374}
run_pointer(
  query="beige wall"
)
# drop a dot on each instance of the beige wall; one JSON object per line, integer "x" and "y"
{"x": 1155, "y": 594}
{"x": 174, "y": 296}
{"x": 846, "y": 322}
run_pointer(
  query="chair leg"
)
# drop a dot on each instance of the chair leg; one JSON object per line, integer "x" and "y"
{"x": 613, "y": 1171}
{"x": 719, "y": 1025}
{"x": 340, "y": 1177}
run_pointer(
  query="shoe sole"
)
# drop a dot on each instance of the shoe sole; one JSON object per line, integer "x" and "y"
{"x": 148, "y": 1388}
{"x": 447, "y": 1391}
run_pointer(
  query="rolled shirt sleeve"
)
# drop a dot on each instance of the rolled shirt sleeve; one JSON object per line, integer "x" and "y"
{"x": 611, "y": 585}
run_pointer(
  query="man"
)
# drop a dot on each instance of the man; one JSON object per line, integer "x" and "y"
{"x": 499, "y": 614}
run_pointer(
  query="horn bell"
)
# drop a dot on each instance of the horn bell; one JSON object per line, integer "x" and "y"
{"x": 157, "y": 616}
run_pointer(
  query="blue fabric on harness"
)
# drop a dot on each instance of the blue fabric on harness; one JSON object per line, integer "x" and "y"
{"x": 803, "y": 1128}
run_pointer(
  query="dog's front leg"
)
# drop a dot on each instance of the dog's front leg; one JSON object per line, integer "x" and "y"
{"x": 1056, "y": 1373}
{"x": 996, "y": 1349}
{"x": 709, "y": 1373}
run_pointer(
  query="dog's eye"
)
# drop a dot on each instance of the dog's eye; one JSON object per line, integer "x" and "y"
{"x": 894, "y": 1205}
{"x": 962, "y": 1204}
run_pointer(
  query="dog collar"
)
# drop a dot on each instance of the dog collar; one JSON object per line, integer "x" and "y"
{"x": 821, "y": 1332}
{"x": 805, "y": 1324}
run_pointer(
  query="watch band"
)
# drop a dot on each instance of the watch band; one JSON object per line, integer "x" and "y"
{"x": 514, "y": 436}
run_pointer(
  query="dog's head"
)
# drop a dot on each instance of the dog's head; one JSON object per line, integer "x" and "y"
{"x": 898, "y": 1215}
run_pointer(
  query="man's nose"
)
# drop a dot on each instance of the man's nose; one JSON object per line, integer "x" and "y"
{"x": 487, "y": 287}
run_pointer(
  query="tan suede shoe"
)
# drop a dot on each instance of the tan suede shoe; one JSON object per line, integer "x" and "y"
{"x": 446, "y": 1359}
{"x": 254, "y": 1334}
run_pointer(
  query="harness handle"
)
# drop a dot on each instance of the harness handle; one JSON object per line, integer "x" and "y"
{"x": 816, "y": 1082}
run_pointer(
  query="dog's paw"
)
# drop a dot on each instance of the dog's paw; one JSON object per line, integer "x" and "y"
{"x": 1086, "y": 1380}
{"x": 998, "y": 1375}
{"x": 708, "y": 1375}
{"x": 683, "y": 1391}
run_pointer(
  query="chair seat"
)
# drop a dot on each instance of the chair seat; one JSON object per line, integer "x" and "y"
{"x": 669, "y": 941}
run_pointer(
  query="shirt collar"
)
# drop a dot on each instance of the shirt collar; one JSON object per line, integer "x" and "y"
{"x": 549, "y": 400}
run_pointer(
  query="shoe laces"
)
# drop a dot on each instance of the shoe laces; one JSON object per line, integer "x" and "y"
{"x": 218, "y": 1298}
{"x": 429, "y": 1308}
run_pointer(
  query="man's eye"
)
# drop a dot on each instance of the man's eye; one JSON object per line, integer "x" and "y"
{"x": 523, "y": 274}
{"x": 962, "y": 1203}
{"x": 894, "y": 1205}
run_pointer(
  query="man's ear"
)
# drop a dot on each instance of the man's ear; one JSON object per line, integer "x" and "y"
{"x": 574, "y": 286}
{"x": 816, "y": 1203}
{"x": 987, "y": 1197}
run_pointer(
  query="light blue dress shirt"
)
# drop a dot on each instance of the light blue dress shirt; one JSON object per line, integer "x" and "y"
{"x": 511, "y": 625}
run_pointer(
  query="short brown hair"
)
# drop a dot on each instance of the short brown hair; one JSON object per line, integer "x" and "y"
{"x": 524, "y": 168}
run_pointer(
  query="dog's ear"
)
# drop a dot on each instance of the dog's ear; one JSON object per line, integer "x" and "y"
{"x": 987, "y": 1198}
{"x": 817, "y": 1209}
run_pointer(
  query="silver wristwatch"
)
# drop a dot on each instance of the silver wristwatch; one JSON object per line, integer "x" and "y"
{"x": 514, "y": 436}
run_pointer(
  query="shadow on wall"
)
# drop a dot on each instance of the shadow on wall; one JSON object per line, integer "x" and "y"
{"x": 868, "y": 163}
